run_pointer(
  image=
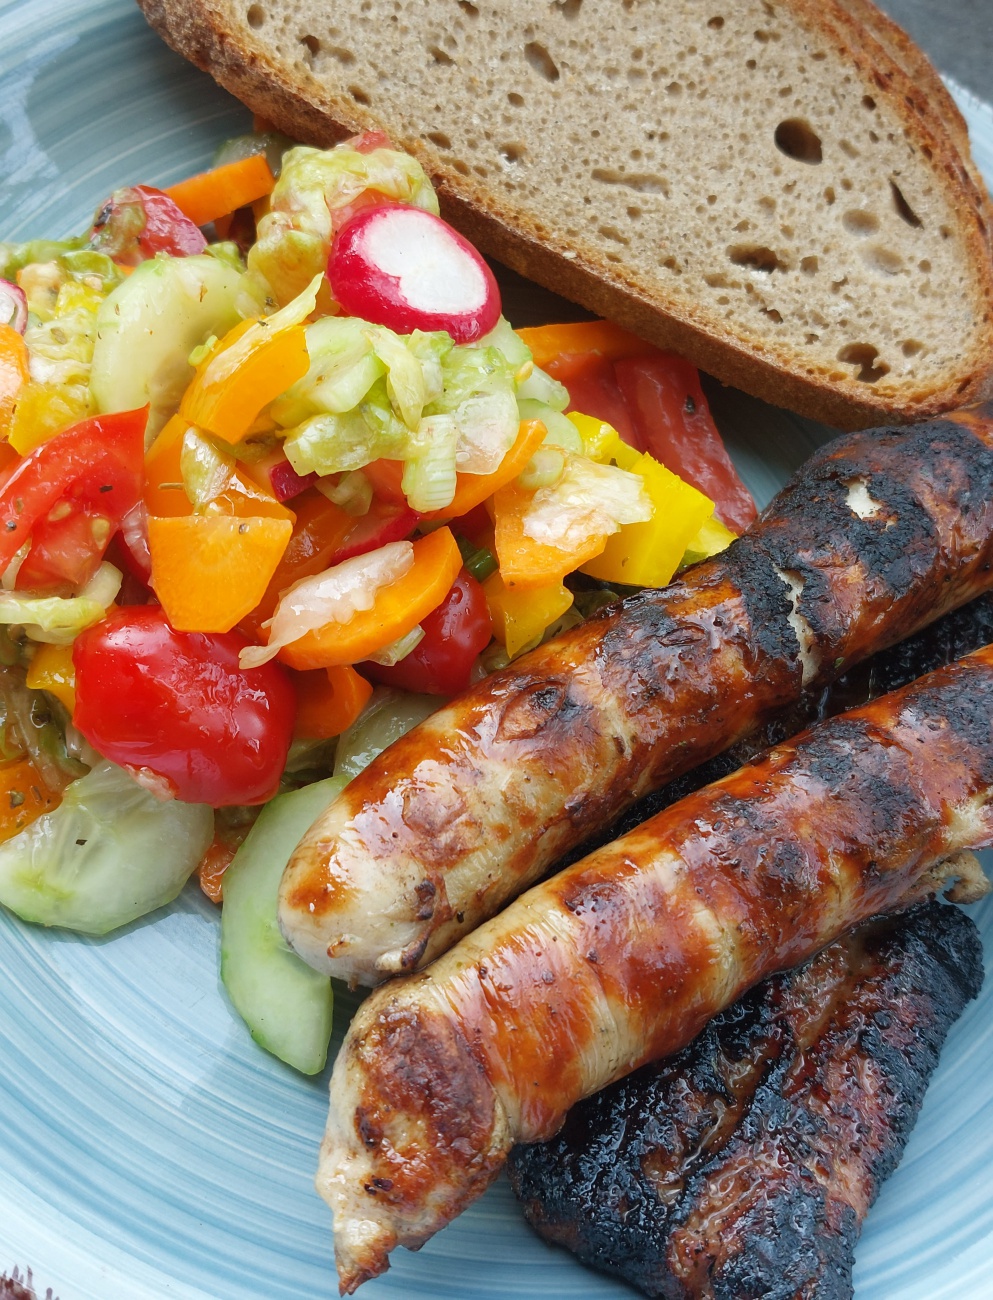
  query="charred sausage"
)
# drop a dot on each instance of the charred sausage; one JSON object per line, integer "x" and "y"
{"x": 878, "y": 534}
{"x": 624, "y": 957}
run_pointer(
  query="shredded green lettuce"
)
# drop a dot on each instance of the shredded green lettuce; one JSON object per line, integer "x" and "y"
{"x": 294, "y": 237}
{"x": 60, "y": 619}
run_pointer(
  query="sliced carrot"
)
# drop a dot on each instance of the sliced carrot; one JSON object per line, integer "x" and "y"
{"x": 548, "y": 342}
{"x": 234, "y": 382}
{"x": 473, "y": 489}
{"x": 213, "y": 865}
{"x": 328, "y": 701}
{"x": 525, "y": 562}
{"x": 215, "y": 193}
{"x": 320, "y": 528}
{"x": 13, "y": 373}
{"x": 166, "y": 498}
{"x": 209, "y": 571}
{"x": 397, "y": 610}
{"x": 164, "y": 495}
{"x": 23, "y": 797}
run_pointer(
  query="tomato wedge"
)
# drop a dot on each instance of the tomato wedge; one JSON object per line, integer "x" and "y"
{"x": 68, "y": 497}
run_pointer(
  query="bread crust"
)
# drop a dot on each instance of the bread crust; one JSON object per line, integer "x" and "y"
{"x": 210, "y": 35}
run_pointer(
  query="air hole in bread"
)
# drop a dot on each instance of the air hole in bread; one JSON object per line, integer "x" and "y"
{"x": 880, "y": 258}
{"x": 513, "y": 151}
{"x": 924, "y": 265}
{"x": 642, "y": 182}
{"x": 634, "y": 212}
{"x": 773, "y": 314}
{"x": 911, "y": 347}
{"x": 903, "y": 209}
{"x": 715, "y": 23}
{"x": 796, "y": 138}
{"x": 568, "y": 8}
{"x": 256, "y": 16}
{"x": 542, "y": 62}
{"x": 829, "y": 195}
{"x": 313, "y": 47}
{"x": 868, "y": 102}
{"x": 468, "y": 8}
{"x": 674, "y": 88}
{"x": 440, "y": 56}
{"x": 439, "y": 138}
{"x": 859, "y": 222}
{"x": 751, "y": 64}
{"x": 809, "y": 265}
{"x": 670, "y": 264}
{"x": 343, "y": 56}
{"x": 359, "y": 95}
{"x": 848, "y": 149}
{"x": 864, "y": 356}
{"x": 756, "y": 258}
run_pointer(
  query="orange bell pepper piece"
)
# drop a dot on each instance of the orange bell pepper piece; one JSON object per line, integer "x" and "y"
{"x": 472, "y": 489}
{"x": 23, "y": 797}
{"x": 212, "y": 866}
{"x": 525, "y": 562}
{"x": 320, "y": 528}
{"x": 580, "y": 338}
{"x": 215, "y": 193}
{"x": 209, "y": 571}
{"x": 14, "y": 374}
{"x": 397, "y": 610}
{"x": 328, "y": 701}
{"x": 250, "y": 367}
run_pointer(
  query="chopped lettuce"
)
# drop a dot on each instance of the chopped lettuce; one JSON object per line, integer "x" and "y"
{"x": 109, "y": 853}
{"x": 60, "y": 619}
{"x": 389, "y": 715}
{"x": 316, "y": 187}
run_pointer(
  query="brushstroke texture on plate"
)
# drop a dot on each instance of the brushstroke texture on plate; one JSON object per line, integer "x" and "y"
{"x": 147, "y": 1148}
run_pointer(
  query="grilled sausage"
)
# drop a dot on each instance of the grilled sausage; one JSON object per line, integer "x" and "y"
{"x": 625, "y": 956}
{"x": 877, "y": 535}
{"x": 745, "y": 1165}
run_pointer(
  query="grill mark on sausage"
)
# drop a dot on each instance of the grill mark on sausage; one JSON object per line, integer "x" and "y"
{"x": 745, "y": 1165}
{"x": 678, "y": 675}
{"x": 684, "y": 914}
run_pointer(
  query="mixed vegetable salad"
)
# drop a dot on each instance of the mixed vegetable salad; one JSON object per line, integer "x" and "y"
{"x": 275, "y": 475}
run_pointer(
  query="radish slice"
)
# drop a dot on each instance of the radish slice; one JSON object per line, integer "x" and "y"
{"x": 407, "y": 269}
{"x": 13, "y": 306}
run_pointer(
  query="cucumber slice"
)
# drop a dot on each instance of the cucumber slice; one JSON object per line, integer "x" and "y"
{"x": 149, "y": 325}
{"x": 109, "y": 853}
{"x": 286, "y": 1005}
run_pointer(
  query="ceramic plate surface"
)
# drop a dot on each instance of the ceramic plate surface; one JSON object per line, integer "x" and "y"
{"x": 147, "y": 1148}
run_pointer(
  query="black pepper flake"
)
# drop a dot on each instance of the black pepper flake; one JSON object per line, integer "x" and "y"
{"x": 106, "y": 487}
{"x": 243, "y": 528}
{"x": 689, "y": 406}
{"x": 16, "y": 798}
{"x": 80, "y": 843}
{"x": 11, "y": 525}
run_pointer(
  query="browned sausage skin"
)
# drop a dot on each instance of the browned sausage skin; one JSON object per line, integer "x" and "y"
{"x": 878, "y": 534}
{"x": 624, "y": 957}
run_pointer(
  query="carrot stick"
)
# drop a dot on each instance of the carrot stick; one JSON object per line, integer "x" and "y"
{"x": 209, "y": 195}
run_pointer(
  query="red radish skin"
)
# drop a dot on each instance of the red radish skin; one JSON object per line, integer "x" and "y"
{"x": 407, "y": 269}
{"x": 286, "y": 483}
{"x": 384, "y": 523}
{"x": 13, "y": 306}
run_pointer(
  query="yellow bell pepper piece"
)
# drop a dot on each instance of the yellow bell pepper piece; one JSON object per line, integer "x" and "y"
{"x": 521, "y": 614}
{"x": 602, "y": 442}
{"x": 648, "y": 554}
{"x": 250, "y": 367}
{"x": 711, "y": 539}
{"x": 51, "y": 669}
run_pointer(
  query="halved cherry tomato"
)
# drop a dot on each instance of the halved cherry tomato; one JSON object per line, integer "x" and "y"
{"x": 454, "y": 635}
{"x": 68, "y": 498}
{"x": 139, "y": 221}
{"x": 178, "y": 706}
{"x": 673, "y": 423}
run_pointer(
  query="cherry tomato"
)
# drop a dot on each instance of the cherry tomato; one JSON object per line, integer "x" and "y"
{"x": 177, "y": 705}
{"x": 68, "y": 497}
{"x": 454, "y": 634}
{"x": 674, "y": 424}
{"x": 139, "y": 221}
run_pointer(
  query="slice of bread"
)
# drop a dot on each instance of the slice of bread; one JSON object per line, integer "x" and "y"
{"x": 775, "y": 188}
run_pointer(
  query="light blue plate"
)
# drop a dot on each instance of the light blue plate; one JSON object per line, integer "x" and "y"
{"x": 147, "y": 1148}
